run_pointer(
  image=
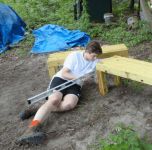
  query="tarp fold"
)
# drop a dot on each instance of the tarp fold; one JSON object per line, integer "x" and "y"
{"x": 53, "y": 38}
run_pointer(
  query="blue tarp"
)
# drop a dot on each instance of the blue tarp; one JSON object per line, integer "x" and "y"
{"x": 52, "y": 38}
{"x": 11, "y": 27}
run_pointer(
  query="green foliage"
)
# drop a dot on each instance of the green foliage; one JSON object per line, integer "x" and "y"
{"x": 149, "y": 59}
{"x": 118, "y": 31}
{"x": 123, "y": 138}
{"x": 119, "y": 7}
{"x": 38, "y": 13}
{"x": 21, "y": 50}
{"x": 137, "y": 87}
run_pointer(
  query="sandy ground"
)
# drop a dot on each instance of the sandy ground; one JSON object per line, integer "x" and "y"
{"x": 93, "y": 118}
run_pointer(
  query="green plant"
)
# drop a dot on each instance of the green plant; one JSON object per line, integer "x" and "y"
{"x": 38, "y": 13}
{"x": 137, "y": 87}
{"x": 123, "y": 138}
{"x": 24, "y": 46}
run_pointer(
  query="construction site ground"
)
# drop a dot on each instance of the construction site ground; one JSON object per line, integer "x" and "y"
{"x": 78, "y": 129}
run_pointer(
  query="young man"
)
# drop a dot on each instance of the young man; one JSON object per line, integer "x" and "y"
{"x": 77, "y": 64}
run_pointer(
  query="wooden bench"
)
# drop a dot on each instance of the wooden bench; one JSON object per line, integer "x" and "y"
{"x": 129, "y": 68}
{"x": 56, "y": 59}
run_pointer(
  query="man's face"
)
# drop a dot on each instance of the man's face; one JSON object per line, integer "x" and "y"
{"x": 91, "y": 56}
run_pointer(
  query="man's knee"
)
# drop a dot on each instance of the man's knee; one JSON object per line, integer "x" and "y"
{"x": 54, "y": 101}
{"x": 69, "y": 106}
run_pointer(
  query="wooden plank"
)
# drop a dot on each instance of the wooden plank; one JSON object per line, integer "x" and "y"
{"x": 128, "y": 68}
{"x": 108, "y": 50}
{"x": 110, "y": 54}
{"x": 111, "y": 50}
{"x": 128, "y": 64}
{"x": 117, "y": 80}
{"x": 114, "y": 48}
{"x": 132, "y": 63}
{"x": 125, "y": 59}
{"x": 56, "y": 59}
{"x": 102, "y": 83}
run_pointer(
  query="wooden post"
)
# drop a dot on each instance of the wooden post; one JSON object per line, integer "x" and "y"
{"x": 102, "y": 82}
{"x": 117, "y": 80}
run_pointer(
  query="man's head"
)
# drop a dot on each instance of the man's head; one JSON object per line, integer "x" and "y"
{"x": 92, "y": 50}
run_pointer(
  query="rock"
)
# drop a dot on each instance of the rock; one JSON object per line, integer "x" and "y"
{"x": 132, "y": 22}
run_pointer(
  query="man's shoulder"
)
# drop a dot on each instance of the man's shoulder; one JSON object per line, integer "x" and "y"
{"x": 76, "y": 53}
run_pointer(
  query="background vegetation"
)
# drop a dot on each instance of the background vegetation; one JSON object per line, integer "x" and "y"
{"x": 123, "y": 138}
{"x": 38, "y": 13}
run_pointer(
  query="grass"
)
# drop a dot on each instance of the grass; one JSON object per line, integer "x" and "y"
{"x": 137, "y": 87}
{"x": 123, "y": 138}
{"x": 38, "y": 13}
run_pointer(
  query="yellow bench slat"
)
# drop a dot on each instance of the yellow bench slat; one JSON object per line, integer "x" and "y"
{"x": 131, "y": 65}
{"x": 128, "y": 68}
{"x": 56, "y": 59}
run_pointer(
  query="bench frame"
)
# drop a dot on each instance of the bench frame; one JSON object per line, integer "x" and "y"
{"x": 128, "y": 68}
{"x": 56, "y": 60}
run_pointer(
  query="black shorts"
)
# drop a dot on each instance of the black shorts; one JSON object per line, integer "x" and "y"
{"x": 74, "y": 89}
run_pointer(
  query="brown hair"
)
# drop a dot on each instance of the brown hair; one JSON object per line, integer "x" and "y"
{"x": 94, "y": 47}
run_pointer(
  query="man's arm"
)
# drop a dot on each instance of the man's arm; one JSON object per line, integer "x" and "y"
{"x": 66, "y": 73}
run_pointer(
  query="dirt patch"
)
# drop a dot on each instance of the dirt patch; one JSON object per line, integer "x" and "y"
{"x": 93, "y": 118}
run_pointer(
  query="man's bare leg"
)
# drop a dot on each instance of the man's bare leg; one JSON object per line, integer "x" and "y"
{"x": 32, "y": 134}
{"x": 53, "y": 101}
{"x": 69, "y": 102}
{"x": 54, "y": 104}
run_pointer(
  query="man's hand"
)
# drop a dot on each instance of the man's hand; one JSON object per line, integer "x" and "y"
{"x": 66, "y": 74}
{"x": 79, "y": 81}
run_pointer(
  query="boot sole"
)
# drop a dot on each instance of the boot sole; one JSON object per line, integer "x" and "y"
{"x": 36, "y": 138}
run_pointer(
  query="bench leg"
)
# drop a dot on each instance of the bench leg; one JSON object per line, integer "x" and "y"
{"x": 117, "y": 80}
{"x": 102, "y": 83}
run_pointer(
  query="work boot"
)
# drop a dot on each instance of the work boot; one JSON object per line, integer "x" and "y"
{"x": 27, "y": 113}
{"x": 32, "y": 136}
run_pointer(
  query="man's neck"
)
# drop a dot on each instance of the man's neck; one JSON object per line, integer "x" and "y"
{"x": 85, "y": 56}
